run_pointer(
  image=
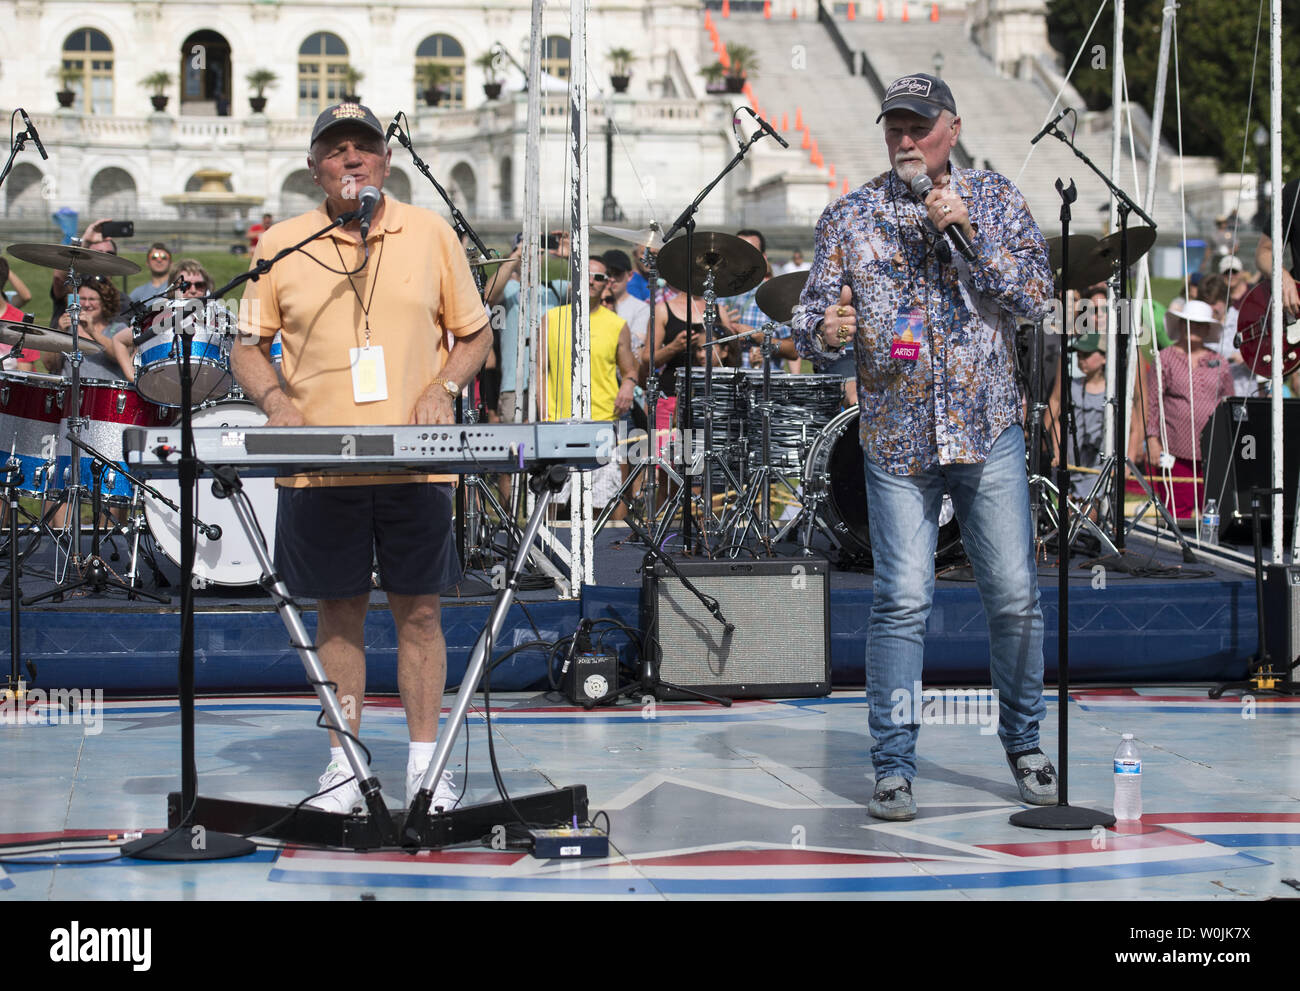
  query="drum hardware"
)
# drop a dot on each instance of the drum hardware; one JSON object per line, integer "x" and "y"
{"x": 97, "y": 576}
{"x": 706, "y": 261}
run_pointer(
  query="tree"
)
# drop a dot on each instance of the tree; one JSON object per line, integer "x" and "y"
{"x": 1218, "y": 42}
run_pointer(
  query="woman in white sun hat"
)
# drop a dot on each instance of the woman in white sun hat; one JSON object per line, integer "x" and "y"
{"x": 1194, "y": 380}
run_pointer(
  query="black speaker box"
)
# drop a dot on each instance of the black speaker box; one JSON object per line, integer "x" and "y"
{"x": 780, "y": 608}
{"x": 1237, "y": 444}
{"x": 1281, "y": 607}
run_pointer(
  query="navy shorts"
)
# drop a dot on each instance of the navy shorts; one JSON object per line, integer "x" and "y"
{"x": 328, "y": 537}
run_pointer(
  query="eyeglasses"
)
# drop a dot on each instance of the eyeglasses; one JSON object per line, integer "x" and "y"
{"x": 598, "y": 277}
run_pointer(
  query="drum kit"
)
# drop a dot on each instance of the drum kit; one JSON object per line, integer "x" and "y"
{"x": 764, "y": 432}
{"x": 64, "y": 433}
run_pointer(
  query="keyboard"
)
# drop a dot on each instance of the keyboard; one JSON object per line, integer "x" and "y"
{"x": 451, "y": 449}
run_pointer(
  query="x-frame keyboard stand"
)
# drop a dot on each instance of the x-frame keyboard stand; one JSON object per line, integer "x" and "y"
{"x": 415, "y": 828}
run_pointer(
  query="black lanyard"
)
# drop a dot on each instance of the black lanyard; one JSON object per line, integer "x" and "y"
{"x": 365, "y": 306}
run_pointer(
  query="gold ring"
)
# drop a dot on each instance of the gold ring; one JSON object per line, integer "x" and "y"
{"x": 841, "y": 311}
{"x": 844, "y": 334}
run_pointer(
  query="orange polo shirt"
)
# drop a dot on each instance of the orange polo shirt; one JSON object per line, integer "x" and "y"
{"x": 418, "y": 289}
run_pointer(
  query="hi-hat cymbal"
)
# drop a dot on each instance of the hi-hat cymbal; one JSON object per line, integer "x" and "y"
{"x": 778, "y": 297}
{"x": 44, "y": 338}
{"x": 1140, "y": 240}
{"x": 65, "y": 256}
{"x": 737, "y": 265}
{"x": 649, "y": 236}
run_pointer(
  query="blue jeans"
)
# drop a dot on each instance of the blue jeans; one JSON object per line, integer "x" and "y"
{"x": 992, "y": 505}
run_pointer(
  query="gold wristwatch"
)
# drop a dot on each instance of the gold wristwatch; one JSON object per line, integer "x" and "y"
{"x": 452, "y": 388}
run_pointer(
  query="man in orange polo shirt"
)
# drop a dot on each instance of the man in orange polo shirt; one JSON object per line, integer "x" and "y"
{"x": 366, "y": 348}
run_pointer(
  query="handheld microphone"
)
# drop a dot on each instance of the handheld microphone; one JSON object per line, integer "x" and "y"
{"x": 31, "y": 131}
{"x": 767, "y": 128}
{"x": 921, "y": 186}
{"x": 1051, "y": 124}
{"x": 369, "y": 200}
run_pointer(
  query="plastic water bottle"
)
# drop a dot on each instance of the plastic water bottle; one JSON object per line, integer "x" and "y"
{"x": 1128, "y": 780}
{"x": 1210, "y": 523}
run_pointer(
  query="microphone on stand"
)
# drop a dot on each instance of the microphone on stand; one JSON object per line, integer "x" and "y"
{"x": 1048, "y": 127}
{"x": 767, "y": 128}
{"x": 921, "y": 186}
{"x": 392, "y": 129}
{"x": 31, "y": 131}
{"x": 369, "y": 200}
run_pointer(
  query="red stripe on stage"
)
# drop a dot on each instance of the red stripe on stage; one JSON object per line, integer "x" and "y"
{"x": 1171, "y": 817}
{"x": 422, "y": 857}
{"x": 1145, "y": 840}
{"x": 764, "y": 858}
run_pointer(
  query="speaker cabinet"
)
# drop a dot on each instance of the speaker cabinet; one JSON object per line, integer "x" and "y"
{"x": 1281, "y": 607}
{"x": 780, "y": 647}
{"x": 1237, "y": 444}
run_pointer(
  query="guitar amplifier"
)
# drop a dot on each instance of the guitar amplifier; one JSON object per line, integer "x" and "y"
{"x": 1281, "y": 607}
{"x": 1237, "y": 444}
{"x": 780, "y": 644}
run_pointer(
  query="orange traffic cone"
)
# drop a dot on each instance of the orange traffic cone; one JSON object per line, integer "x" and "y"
{"x": 880, "y": 10}
{"x": 905, "y": 15}
{"x": 846, "y": 187}
{"x": 748, "y": 91}
{"x": 798, "y": 118}
{"x": 726, "y": 8}
{"x": 831, "y": 184}
{"x": 708, "y": 21}
{"x": 767, "y": 10}
{"x": 832, "y": 172}
{"x": 724, "y": 58}
{"x": 807, "y": 141}
{"x": 853, "y": 14}
{"x": 794, "y": 14}
{"x": 934, "y": 11}
{"x": 785, "y": 121}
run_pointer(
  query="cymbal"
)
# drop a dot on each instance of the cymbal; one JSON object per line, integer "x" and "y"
{"x": 649, "y": 236}
{"x": 65, "y": 256}
{"x": 737, "y": 265}
{"x": 1140, "y": 240}
{"x": 1081, "y": 245}
{"x": 777, "y": 297}
{"x": 44, "y": 338}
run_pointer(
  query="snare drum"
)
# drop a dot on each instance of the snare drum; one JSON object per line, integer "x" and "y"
{"x": 108, "y": 408}
{"x": 31, "y": 408}
{"x": 158, "y": 360}
{"x": 229, "y": 560}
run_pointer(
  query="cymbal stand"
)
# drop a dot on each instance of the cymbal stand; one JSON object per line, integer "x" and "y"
{"x": 15, "y": 686}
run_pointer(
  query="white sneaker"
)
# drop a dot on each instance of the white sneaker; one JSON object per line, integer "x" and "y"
{"x": 338, "y": 791}
{"x": 444, "y": 795}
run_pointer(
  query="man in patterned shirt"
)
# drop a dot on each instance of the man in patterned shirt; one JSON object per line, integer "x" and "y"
{"x": 934, "y": 335}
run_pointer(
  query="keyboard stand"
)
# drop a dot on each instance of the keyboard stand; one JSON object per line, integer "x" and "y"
{"x": 382, "y": 828}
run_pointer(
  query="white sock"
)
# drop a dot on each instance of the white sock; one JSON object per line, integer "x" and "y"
{"x": 420, "y": 754}
{"x": 337, "y": 754}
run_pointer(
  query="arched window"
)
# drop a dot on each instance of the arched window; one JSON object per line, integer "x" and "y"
{"x": 89, "y": 54}
{"x": 443, "y": 49}
{"x": 322, "y": 62}
{"x": 205, "y": 74}
{"x": 555, "y": 56}
{"x": 113, "y": 194}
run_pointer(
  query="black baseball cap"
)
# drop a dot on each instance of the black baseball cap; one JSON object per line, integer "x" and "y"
{"x": 920, "y": 93}
{"x": 345, "y": 113}
{"x": 616, "y": 261}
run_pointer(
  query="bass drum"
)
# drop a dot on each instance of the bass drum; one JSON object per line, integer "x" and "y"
{"x": 228, "y": 560}
{"x": 834, "y": 473}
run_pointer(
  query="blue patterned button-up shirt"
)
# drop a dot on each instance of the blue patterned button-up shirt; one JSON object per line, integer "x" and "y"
{"x": 951, "y": 403}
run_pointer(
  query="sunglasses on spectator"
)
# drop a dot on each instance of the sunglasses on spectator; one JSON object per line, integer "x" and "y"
{"x": 598, "y": 277}
{"x": 192, "y": 285}
{"x": 159, "y": 254}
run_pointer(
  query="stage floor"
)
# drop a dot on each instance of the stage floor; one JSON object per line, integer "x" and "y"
{"x": 763, "y": 800}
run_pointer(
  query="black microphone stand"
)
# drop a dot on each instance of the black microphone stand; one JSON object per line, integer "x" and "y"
{"x": 686, "y": 221}
{"x": 187, "y": 841}
{"x": 20, "y": 142}
{"x": 1063, "y": 815}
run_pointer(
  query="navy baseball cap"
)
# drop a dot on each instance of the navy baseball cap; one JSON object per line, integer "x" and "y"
{"x": 920, "y": 93}
{"x": 616, "y": 261}
{"x": 345, "y": 113}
